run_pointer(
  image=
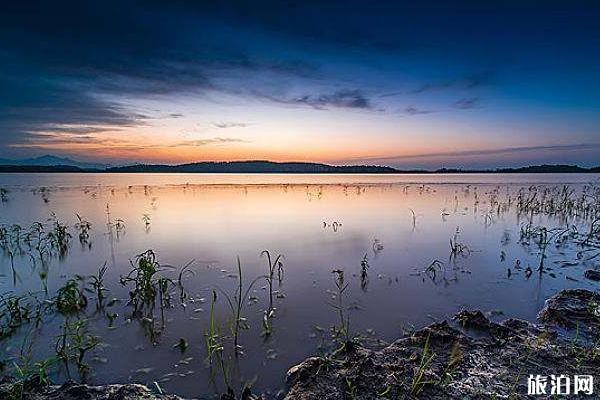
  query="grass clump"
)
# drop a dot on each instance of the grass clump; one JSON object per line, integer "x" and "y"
{"x": 71, "y": 298}
{"x": 72, "y": 345}
{"x": 419, "y": 380}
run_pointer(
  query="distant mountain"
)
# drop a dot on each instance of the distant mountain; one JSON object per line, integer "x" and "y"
{"x": 44, "y": 168}
{"x": 51, "y": 161}
{"x": 257, "y": 166}
{"x": 57, "y": 164}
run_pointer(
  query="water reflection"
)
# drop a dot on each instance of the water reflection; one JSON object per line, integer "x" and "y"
{"x": 409, "y": 252}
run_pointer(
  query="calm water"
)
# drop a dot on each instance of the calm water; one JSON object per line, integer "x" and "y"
{"x": 319, "y": 223}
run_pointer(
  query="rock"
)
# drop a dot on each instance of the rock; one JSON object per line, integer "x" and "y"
{"x": 77, "y": 391}
{"x": 592, "y": 275}
{"x": 480, "y": 359}
{"x": 571, "y": 308}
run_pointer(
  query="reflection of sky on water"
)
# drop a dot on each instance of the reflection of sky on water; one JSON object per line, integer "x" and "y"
{"x": 214, "y": 224}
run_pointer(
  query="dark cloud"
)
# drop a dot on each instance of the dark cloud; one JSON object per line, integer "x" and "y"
{"x": 467, "y": 103}
{"x": 463, "y": 83}
{"x": 353, "y": 98}
{"x": 412, "y": 110}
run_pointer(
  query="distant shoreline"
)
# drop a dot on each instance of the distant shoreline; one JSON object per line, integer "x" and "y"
{"x": 260, "y": 167}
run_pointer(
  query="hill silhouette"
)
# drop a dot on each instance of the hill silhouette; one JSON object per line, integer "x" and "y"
{"x": 261, "y": 166}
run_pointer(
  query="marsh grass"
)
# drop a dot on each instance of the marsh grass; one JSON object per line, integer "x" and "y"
{"x": 184, "y": 271}
{"x": 457, "y": 247}
{"x": 83, "y": 228}
{"x": 213, "y": 340}
{"x": 97, "y": 286}
{"x": 3, "y": 195}
{"x": 236, "y": 306}
{"x": 14, "y": 312}
{"x": 274, "y": 266}
{"x": 364, "y": 273}
{"x": 340, "y": 331}
{"x": 59, "y": 236}
{"x": 151, "y": 287}
{"x": 419, "y": 380}
{"x": 70, "y": 298}
{"x": 72, "y": 345}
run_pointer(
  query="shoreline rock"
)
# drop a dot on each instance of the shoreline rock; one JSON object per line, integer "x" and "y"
{"x": 470, "y": 357}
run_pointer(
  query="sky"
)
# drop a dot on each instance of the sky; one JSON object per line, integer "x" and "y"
{"x": 425, "y": 84}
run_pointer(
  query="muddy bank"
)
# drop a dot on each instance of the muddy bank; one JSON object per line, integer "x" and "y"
{"x": 11, "y": 389}
{"x": 468, "y": 357}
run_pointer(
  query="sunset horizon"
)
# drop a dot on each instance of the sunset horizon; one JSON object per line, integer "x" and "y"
{"x": 389, "y": 83}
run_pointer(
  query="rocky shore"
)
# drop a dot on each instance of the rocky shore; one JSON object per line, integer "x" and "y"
{"x": 468, "y": 357}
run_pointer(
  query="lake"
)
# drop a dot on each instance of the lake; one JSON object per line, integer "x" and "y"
{"x": 391, "y": 235}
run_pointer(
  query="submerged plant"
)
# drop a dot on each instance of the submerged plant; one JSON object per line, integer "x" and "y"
{"x": 146, "y": 220}
{"x": 3, "y": 195}
{"x": 83, "y": 227}
{"x": 148, "y": 283}
{"x": 236, "y": 306}
{"x": 73, "y": 344}
{"x": 71, "y": 298}
{"x": 364, "y": 273}
{"x": 274, "y": 266}
{"x": 212, "y": 337}
{"x": 14, "y": 312}
{"x": 341, "y": 331}
{"x": 457, "y": 247}
{"x": 97, "y": 286}
{"x": 150, "y": 287}
{"x": 58, "y": 237}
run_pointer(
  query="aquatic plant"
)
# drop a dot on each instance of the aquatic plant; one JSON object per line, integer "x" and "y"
{"x": 14, "y": 312}
{"x": 97, "y": 286}
{"x": 364, "y": 273}
{"x": 146, "y": 220}
{"x": 83, "y": 227}
{"x": 341, "y": 331}
{"x": 414, "y": 218}
{"x": 73, "y": 343}
{"x": 148, "y": 283}
{"x": 236, "y": 305}
{"x": 59, "y": 236}
{"x": 433, "y": 268}
{"x": 377, "y": 246}
{"x": 3, "y": 195}
{"x": 213, "y": 340}
{"x": 457, "y": 247}
{"x": 185, "y": 270}
{"x": 71, "y": 297}
{"x": 274, "y": 266}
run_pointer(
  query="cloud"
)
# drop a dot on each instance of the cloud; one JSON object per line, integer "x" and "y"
{"x": 467, "y": 103}
{"x": 412, "y": 110}
{"x": 485, "y": 152}
{"x": 225, "y": 125}
{"x": 346, "y": 98}
{"x": 210, "y": 141}
{"x": 463, "y": 83}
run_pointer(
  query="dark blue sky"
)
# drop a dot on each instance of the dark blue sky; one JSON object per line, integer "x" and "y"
{"x": 436, "y": 83}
